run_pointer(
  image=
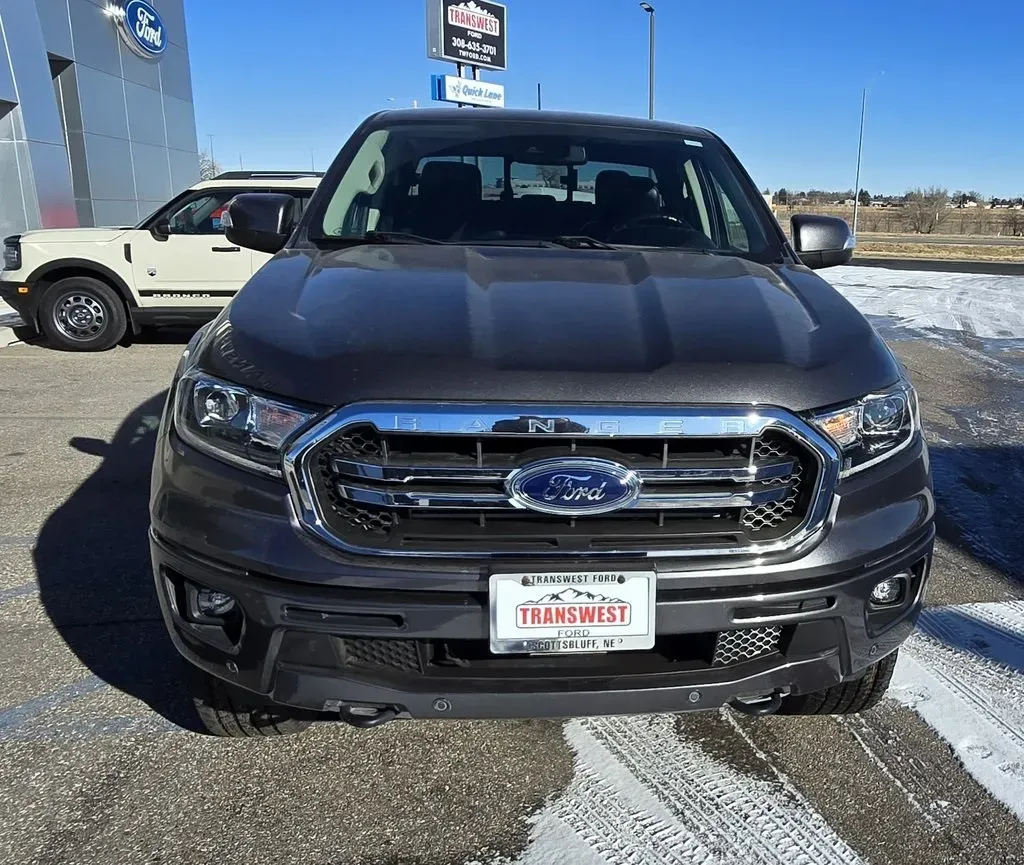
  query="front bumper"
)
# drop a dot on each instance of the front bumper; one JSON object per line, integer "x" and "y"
{"x": 301, "y": 604}
{"x": 23, "y": 304}
{"x": 288, "y": 646}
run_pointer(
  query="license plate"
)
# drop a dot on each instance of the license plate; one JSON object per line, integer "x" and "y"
{"x": 589, "y": 611}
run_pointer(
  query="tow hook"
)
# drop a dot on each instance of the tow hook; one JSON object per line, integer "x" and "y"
{"x": 758, "y": 707}
{"x": 365, "y": 717}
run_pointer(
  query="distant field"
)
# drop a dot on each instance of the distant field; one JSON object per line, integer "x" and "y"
{"x": 953, "y": 252}
{"x": 892, "y": 220}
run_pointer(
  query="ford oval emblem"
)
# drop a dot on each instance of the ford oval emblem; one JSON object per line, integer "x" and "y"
{"x": 573, "y": 487}
{"x": 142, "y": 28}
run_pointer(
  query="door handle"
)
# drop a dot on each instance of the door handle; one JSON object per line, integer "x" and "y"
{"x": 225, "y": 249}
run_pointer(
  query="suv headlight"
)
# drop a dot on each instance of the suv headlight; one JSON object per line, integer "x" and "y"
{"x": 873, "y": 428}
{"x": 233, "y": 424}
{"x": 12, "y": 252}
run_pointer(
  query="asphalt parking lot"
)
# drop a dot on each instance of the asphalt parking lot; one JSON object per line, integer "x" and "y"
{"x": 102, "y": 761}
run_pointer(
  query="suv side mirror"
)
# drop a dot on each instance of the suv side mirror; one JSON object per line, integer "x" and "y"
{"x": 161, "y": 229}
{"x": 262, "y": 221}
{"x": 822, "y": 241}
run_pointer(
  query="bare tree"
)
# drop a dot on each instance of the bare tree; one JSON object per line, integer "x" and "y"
{"x": 926, "y": 209}
{"x": 209, "y": 168}
{"x": 550, "y": 174}
{"x": 1013, "y": 222}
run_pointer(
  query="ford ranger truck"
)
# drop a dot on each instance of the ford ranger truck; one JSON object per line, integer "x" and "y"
{"x": 466, "y": 449}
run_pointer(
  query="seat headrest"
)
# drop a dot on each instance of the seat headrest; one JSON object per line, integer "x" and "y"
{"x": 611, "y": 189}
{"x": 644, "y": 197}
{"x": 450, "y": 180}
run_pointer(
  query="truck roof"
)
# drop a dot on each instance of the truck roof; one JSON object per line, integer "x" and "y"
{"x": 519, "y": 115}
{"x": 270, "y": 180}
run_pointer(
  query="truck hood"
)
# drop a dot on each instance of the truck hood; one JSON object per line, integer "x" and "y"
{"x": 73, "y": 235}
{"x": 515, "y": 324}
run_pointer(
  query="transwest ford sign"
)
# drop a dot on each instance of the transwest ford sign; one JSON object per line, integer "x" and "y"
{"x": 467, "y": 31}
{"x": 466, "y": 91}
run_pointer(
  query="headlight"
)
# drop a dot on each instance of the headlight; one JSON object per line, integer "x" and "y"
{"x": 874, "y": 428}
{"x": 12, "y": 252}
{"x": 233, "y": 424}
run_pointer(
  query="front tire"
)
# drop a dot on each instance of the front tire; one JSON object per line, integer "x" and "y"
{"x": 82, "y": 314}
{"x": 232, "y": 713}
{"x": 846, "y": 698}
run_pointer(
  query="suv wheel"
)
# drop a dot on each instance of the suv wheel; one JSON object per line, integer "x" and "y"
{"x": 846, "y": 698}
{"x": 82, "y": 314}
{"x": 227, "y": 711}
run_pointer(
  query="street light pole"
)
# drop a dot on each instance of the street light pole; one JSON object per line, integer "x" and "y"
{"x": 649, "y": 9}
{"x": 860, "y": 150}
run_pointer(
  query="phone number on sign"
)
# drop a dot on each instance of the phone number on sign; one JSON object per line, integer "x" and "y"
{"x": 483, "y": 52}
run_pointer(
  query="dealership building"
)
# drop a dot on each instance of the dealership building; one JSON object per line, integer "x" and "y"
{"x": 97, "y": 125}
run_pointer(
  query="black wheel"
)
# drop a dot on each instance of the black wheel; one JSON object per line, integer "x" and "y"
{"x": 82, "y": 314}
{"x": 847, "y": 698}
{"x": 227, "y": 711}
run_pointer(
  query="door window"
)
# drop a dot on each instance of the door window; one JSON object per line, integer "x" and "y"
{"x": 735, "y": 231}
{"x": 202, "y": 214}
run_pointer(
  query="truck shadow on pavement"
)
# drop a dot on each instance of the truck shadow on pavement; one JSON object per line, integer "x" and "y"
{"x": 95, "y": 579}
{"x": 979, "y": 510}
{"x": 968, "y": 631}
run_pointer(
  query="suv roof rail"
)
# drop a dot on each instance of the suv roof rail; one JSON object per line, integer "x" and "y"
{"x": 270, "y": 175}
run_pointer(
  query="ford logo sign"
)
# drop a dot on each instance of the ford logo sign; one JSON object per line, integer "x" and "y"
{"x": 142, "y": 29}
{"x": 573, "y": 487}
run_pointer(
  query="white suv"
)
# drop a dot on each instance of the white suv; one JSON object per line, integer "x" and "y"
{"x": 84, "y": 288}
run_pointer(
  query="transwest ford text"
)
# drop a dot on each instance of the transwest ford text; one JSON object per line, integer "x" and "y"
{"x": 473, "y": 21}
{"x": 547, "y": 615}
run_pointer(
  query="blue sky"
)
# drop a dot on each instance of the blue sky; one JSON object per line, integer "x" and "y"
{"x": 780, "y": 82}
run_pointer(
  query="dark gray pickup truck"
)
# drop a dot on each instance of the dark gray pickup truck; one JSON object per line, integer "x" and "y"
{"x": 536, "y": 414}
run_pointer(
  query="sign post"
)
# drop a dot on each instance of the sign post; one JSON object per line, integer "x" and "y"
{"x": 468, "y": 33}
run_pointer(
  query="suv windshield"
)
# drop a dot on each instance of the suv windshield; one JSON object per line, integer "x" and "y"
{"x": 587, "y": 186}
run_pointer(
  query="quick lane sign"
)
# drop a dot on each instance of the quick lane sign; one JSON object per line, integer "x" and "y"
{"x": 466, "y": 91}
{"x": 467, "y": 31}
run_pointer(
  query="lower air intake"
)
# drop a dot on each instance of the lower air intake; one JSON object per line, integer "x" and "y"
{"x": 734, "y": 647}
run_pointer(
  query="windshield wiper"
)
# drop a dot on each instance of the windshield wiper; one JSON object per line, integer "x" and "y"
{"x": 397, "y": 237}
{"x": 581, "y": 241}
{"x": 381, "y": 237}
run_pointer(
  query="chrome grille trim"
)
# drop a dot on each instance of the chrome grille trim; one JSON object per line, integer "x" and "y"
{"x": 594, "y": 422}
{"x": 502, "y": 501}
{"x": 767, "y": 470}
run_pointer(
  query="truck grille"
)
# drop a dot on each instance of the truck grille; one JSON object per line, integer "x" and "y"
{"x": 473, "y": 658}
{"x": 731, "y": 647}
{"x": 367, "y": 482}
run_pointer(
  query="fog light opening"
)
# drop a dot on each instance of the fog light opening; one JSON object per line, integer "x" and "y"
{"x": 889, "y": 591}
{"x": 214, "y": 604}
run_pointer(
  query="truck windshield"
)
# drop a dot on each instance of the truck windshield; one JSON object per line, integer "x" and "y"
{"x": 538, "y": 183}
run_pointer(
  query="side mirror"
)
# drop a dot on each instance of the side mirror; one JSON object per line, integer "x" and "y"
{"x": 262, "y": 221}
{"x": 822, "y": 241}
{"x": 161, "y": 229}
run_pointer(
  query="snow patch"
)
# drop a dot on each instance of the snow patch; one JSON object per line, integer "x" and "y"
{"x": 990, "y": 307}
{"x": 963, "y": 673}
{"x": 642, "y": 792}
